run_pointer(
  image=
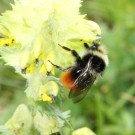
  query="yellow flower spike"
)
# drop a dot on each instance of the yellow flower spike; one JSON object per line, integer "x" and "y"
{"x": 39, "y": 26}
{"x": 83, "y": 131}
{"x": 50, "y": 89}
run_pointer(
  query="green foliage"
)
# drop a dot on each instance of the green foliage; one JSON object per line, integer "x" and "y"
{"x": 4, "y": 4}
{"x": 109, "y": 107}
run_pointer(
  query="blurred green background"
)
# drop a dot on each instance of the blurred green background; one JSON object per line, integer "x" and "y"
{"x": 109, "y": 108}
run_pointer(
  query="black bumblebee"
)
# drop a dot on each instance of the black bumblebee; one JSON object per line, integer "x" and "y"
{"x": 80, "y": 77}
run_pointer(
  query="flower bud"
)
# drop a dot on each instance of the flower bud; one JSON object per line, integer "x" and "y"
{"x": 83, "y": 131}
{"x": 21, "y": 121}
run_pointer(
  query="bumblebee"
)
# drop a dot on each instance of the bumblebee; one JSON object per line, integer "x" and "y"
{"x": 80, "y": 77}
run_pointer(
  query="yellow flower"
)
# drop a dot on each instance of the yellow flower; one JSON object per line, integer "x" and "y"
{"x": 83, "y": 131}
{"x": 21, "y": 121}
{"x": 7, "y": 41}
{"x": 47, "y": 98}
{"x": 49, "y": 91}
{"x": 46, "y": 124}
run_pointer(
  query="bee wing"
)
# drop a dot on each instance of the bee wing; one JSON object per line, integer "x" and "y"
{"x": 79, "y": 94}
{"x": 82, "y": 84}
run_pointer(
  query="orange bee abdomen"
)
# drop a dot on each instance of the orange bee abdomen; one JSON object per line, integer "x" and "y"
{"x": 67, "y": 79}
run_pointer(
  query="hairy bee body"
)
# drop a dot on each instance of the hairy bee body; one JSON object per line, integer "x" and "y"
{"x": 80, "y": 77}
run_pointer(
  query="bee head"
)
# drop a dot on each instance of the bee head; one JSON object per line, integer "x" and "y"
{"x": 97, "y": 47}
{"x": 94, "y": 47}
{"x": 98, "y": 50}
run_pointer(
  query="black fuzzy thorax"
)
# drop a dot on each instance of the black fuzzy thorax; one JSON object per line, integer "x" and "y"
{"x": 97, "y": 64}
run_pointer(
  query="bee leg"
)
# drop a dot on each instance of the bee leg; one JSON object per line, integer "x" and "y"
{"x": 74, "y": 53}
{"x": 60, "y": 68}
{"x": 86, "y": 46}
